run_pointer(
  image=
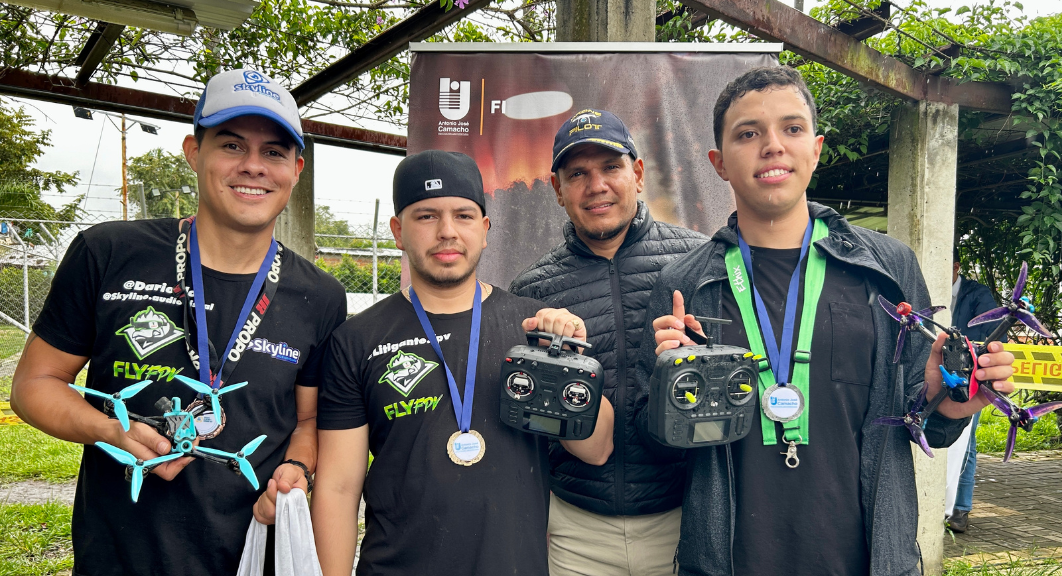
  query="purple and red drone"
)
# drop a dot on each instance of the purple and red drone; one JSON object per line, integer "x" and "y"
{"x": 959, "y": 363}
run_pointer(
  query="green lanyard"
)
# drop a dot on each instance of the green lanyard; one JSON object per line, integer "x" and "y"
{"x": 795, "y": 430}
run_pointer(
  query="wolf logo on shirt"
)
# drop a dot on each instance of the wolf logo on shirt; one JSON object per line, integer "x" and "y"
{"x": 405, "y": 371}
{"x": 149, "y": 330}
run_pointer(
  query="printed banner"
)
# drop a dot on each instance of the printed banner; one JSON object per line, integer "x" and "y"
{"x": 504, "y": 108}
{"x": 1036, "y": 367}
{"x": 7, "y": 415}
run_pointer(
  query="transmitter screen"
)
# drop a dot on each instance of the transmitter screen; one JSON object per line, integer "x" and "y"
{"x": 544, "y": 424}
{"x": 712, "y": 431}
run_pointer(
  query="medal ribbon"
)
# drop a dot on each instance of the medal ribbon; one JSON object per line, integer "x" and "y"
{"x": 462, "y": 410}
{"x": 204, "y": 348}
{"x": 739, "y": 268}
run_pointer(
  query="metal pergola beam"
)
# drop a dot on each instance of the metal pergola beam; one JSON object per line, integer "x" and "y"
{"x": 422, "y": 24}
{"x": 62, "y": 90}
{"x": 802, "y": 34}
{"x": 97, "y": 46}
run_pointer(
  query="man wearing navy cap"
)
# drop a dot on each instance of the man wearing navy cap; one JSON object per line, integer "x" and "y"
{"x": 621, "y": 518}
{"x": 212, "y": 299}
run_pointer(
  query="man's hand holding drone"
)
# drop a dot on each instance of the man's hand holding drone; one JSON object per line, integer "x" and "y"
{"x": 996, "y": 367}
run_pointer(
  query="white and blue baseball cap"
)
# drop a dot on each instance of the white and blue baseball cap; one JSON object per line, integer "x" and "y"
{"x": 245, "y": 92}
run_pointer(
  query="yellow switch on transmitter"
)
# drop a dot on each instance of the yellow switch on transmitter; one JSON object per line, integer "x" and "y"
{"x": 691, "y": 398}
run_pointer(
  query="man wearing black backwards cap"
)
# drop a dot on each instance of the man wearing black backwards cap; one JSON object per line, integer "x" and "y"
{"x": 414, "y": 379}
{"x": 214, "y": 300}
{"x": 622, "y": 517}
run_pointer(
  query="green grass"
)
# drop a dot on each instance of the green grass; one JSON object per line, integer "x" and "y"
{"x": 11, "y": 340}
{"x": 29, "y": 454}
{"x": 1014, "y": 565}
{"x": 35, "y": 539}
{"x": 992, "y": 433}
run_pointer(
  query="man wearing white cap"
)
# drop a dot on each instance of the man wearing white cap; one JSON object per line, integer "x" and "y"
{"x": 145, "y": 301}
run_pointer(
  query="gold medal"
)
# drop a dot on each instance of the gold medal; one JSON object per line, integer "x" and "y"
{"x": 466, "y": 448}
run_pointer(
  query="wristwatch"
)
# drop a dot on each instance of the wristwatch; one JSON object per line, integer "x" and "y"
{"x": 305, "y": 472}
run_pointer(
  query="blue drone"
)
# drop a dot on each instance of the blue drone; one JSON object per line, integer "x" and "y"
{"x": 177, "y": 425}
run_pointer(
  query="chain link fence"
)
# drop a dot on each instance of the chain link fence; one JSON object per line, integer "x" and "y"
{"x": 367, "y": 264}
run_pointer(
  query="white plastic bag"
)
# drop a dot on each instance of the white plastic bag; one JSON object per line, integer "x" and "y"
{"x": 296, "y": 553}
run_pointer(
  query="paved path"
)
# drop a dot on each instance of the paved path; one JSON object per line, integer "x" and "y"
{"x": 36, "y": 492}
{"x": 1017, "y": 510}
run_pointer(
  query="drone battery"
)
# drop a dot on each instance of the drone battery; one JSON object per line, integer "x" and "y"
{"x": 550, "y": 391}
{"x": 703, "y": 396}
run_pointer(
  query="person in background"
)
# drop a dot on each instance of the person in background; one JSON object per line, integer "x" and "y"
{"x": 969, "y": 298}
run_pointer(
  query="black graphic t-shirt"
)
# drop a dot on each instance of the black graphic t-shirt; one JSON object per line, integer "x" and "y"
{"x": 423, "y": 513}
{"x": 808, "y": 520}
{"x": 112, "y": 300}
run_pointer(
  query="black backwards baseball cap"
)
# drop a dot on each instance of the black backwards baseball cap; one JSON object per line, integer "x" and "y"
{"x": 592, "y": 127}
{"x": 437, "y": 174}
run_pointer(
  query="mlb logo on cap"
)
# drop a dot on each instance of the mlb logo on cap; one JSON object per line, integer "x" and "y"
{"x": 248, "y": 93}
{"x": 433, "y": 184}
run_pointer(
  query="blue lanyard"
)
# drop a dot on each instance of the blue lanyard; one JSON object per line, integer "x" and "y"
{"x": 462, "y": 410}
{"x": 202, "y": 338}
{"x": 779, "y": 356}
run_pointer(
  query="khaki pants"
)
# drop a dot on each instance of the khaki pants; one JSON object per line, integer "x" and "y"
{"x": 587, "y": 544}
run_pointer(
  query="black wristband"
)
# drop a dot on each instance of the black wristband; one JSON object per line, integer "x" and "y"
{"x": 305, "y": 472}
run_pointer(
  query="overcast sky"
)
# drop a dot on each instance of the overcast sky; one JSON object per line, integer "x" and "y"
{"x": 348, "y": 181}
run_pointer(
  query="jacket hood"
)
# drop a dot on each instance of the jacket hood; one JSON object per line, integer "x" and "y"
{"x": 639, "y": 226}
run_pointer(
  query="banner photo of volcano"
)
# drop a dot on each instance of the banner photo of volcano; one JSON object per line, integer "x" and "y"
{"x": 502, "y": 105}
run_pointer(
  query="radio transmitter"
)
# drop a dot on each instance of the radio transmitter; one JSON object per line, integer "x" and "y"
{"x": 549, "y": 390}
{"x": 703, "y": 395}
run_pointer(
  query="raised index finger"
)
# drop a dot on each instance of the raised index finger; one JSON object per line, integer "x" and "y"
{"x": 678, "y": 307}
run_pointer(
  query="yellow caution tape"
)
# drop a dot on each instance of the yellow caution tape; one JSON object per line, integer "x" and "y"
{"x": 1036, "y": 367}
{"x": 7, "y": 415}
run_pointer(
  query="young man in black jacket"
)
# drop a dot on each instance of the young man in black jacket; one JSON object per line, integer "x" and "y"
{"x": 621, "y": 518}
{"x": 846, "y": 504}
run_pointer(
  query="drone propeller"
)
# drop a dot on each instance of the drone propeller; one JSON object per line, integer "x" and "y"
{"x": 908, "y": 319}
{"x": 1018, "y": 308}
{"x": 214, "y": 393}
{"x": 913, "y": 421}
{"x": 117, "y": 399}
{"x": 1024, "y": 418}
{"x": 138, "y": 466}
{"x": 241, "y": 458}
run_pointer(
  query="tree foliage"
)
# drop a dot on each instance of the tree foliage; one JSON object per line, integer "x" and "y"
{"x": 158, "y": 169}
{"x": 288, "y": 39}
{"x": 356, "y": 276}
{"x": 21, "y": 184}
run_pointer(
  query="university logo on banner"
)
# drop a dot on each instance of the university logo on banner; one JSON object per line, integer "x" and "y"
{"x": 454, "y": 98}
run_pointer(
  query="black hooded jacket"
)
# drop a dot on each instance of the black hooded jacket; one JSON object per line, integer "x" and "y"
{"x": 611, "y": 297}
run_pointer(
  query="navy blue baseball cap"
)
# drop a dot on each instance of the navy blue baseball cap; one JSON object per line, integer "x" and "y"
{"x": 592, "y": 127}
{"x": 245, "y": 92}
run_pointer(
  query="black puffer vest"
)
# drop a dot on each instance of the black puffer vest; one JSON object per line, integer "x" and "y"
{"x": 611, "y": 297}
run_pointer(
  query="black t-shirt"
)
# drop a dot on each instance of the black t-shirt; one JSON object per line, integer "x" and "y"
{"x": 424, "y": 514}
{"x": 112, "y": 300}
{"x": 808, "y": 520}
